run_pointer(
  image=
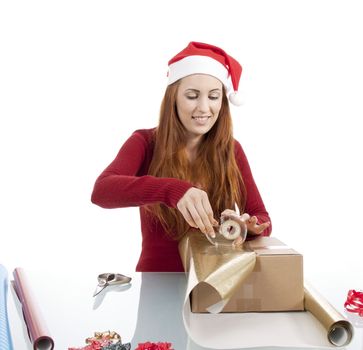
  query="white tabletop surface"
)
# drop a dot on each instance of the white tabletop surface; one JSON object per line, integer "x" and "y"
{"x": 149, "y": 310}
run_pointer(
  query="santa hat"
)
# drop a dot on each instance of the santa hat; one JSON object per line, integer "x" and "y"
{"x": 207, "y": 59}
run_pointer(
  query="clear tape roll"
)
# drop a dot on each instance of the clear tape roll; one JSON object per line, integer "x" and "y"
{"x": 230, "y": 229}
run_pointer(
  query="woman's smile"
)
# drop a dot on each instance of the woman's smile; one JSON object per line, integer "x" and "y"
{"x": 201, "y": 120}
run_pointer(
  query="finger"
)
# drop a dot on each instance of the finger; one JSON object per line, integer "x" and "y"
{"x": 252, "y": 220}
{"x": 209, "y": 211}
{"x": 207, "y": 217}
{"x": 186, "y": 215}
{"x": 245, "y": 217}
{"x": 238, "y": 241}
{"x": 197, "y": 219}
{"x": 228, "y": 212}
{"x": 264, "y": 226}
{"x": 190, "y": 220}
{"x": 205, "y": 212}
{"x": 258, "y": 229}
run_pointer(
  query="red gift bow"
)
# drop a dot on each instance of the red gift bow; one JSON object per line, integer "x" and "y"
{"x": 154, "y": 346}
{"x": 354, "y": 302}
{"x": 94, "y": 345}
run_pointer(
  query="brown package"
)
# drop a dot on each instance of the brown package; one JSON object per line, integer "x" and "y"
{"x": 275, "y": 283}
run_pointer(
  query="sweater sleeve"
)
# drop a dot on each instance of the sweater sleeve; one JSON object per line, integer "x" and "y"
{"x": 254, "y": 203}
{"x": 122, "y": 183}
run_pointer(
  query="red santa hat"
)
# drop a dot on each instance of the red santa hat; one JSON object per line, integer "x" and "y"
{"x": 201, "y": 58}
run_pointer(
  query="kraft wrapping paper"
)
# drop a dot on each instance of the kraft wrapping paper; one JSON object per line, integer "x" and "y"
{"x": 339, "y": 330}
{"x": 5, "y": 335}
{"x": 223, "y": 271}
{"x": 37, "y": 329}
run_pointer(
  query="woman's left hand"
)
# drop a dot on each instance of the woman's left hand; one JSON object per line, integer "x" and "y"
{"x": 253, "y": 227}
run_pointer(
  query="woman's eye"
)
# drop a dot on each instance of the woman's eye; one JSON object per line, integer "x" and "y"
{"x": 213, "y": 97}
{"x": 191, "y": 97}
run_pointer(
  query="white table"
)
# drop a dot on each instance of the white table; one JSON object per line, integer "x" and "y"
{"x": 150, "y": 310}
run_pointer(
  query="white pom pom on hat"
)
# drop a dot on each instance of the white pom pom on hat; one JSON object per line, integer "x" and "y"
{"x": 236, "y": 98}
{"x": 208, "y": 59}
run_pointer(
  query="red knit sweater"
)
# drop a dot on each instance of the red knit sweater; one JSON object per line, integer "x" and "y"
{"x": 125, "y": 183}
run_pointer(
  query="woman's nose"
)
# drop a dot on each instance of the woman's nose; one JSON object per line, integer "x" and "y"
{"x": 203, "y": 104}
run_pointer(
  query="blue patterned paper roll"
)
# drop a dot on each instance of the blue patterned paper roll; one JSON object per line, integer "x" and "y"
{"x": 5, "y": 336}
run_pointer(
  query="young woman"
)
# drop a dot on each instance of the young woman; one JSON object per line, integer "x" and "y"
{"x": 185, "y": 172}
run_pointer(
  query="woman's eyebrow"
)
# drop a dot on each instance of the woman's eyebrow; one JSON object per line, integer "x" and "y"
{"x": 196, "y": 90}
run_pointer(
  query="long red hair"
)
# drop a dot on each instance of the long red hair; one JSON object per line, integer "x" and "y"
{"x": 214, "y": 170}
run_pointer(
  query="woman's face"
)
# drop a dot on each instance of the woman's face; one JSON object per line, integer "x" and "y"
{"x": 198, "y": 102}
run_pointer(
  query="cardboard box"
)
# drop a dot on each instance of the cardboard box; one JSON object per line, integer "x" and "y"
{"x": 275, "y": 284}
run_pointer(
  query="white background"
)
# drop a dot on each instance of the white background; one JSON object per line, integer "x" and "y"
{"x": 78, "y": 77}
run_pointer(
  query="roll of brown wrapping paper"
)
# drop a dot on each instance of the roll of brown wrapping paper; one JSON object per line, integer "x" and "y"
{"x": 37, "y": 330}
{"x": 339, "y": 330}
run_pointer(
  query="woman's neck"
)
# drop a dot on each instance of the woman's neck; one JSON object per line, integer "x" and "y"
{"x": 192, "y": 148}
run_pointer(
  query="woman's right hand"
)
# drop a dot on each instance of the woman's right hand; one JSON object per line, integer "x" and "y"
{"x": 197, "y": 211}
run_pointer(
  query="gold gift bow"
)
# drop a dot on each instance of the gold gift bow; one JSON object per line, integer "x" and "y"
{"x": 225, "y": 268}
{"x": 107, "y": 335}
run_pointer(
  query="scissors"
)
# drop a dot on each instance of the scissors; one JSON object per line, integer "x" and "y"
{"x": 110, "y": 279}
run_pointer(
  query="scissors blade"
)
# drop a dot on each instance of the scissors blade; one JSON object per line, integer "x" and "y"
{"x": 99, "y": 289}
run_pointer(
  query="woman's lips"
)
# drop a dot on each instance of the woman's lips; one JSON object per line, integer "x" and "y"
{"x": 201, "y": 120}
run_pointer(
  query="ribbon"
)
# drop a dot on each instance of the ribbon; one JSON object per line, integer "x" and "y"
{"x": 104, "y": 341}
{"x": 154, "y": 346}
{"x": 113, "y": 337}
{"x": 354, "y": 302}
